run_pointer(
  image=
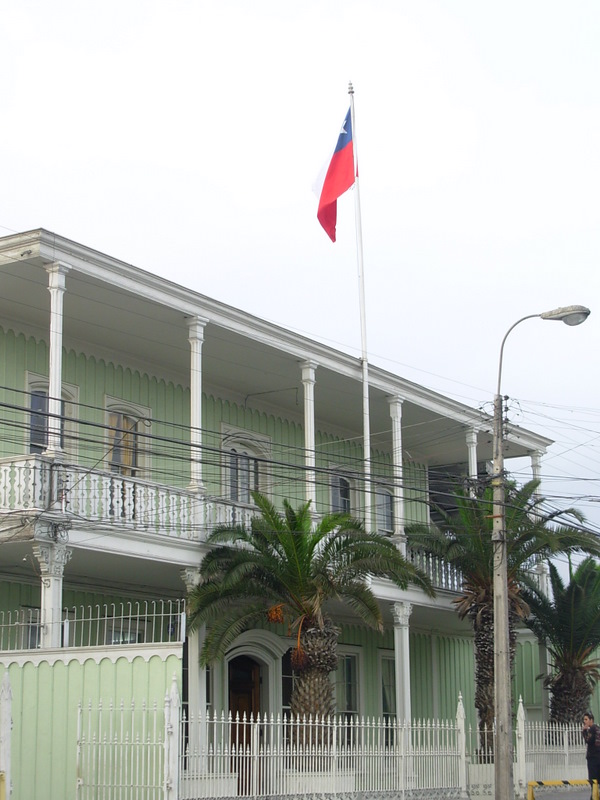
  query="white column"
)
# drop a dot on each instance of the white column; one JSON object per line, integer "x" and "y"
{"x": 196, "y": 673}
{"x": 435, "y": 675}
{"x": 472, "y": 448}
{"x": 196, "y": 327}
{"x": 56, "y": 286}
{"x": 536, "y": 465}
{"x": 308, "y": 381}
{"x": 395, "y": 404}
{"x": 52, "y": 558}
{"x": 401, "y": 613}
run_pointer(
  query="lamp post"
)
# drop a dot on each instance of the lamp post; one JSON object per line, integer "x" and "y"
{"x": 503, "y": 761}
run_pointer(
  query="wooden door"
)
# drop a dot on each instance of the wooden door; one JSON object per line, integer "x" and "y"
{"x": 244, "y": 705}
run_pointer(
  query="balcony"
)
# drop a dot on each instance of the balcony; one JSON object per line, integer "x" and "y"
{"x": 34, "y": 483}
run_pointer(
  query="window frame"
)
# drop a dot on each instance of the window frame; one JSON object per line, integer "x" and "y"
{"x": 388, "y": 656}
{"x": 36, "y": 384}
{"x": 339, "y": 475}
{"x": 244, "y": 445}
{"x": 382, "y": 490}
{"x": 142, "y": 416}
{"x": 349, "y": 651}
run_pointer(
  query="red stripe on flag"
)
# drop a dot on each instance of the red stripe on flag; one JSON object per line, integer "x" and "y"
{"x": 339, "y": 178}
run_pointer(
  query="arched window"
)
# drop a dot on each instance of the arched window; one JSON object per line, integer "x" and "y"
{"x": 123, "y": 443}
{"x": 126, "y": 454}
{"x": 244, "y": 475}
{"x": 384, "y": 510}
{"x": 245, "y": 461}
{"x": 37, "y": 388}
{"x": 341, "y": 494}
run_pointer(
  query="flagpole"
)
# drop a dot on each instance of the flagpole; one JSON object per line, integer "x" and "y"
{"x": 363, "y": 325}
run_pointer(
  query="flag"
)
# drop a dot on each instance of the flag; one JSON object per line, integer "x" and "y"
{"x": 338, "y": 178}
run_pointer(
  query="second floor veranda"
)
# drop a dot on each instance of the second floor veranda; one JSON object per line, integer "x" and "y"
{"x": 73, "y": 496}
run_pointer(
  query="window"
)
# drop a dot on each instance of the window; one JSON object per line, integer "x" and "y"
{"x": 123, "y": 442}
{"x": 29, "y": 629}
{"x": 244, "y": 476}
{"x": 287, "y": 682}
{"x": 346, "y": 685}
{"x": 388, "y": 688}
{"x": 384, "y": 510}
{"x": 245, "y": 463}
{"x": 37, "y": 388}
{"x": 38, "y": 422}
{"x": 128, "y": 427}
{"x": 340, "y": 494}
{"x": 125, "y": 631}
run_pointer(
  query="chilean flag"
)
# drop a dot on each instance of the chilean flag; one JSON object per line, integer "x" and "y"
{"x": 338, "y": 178}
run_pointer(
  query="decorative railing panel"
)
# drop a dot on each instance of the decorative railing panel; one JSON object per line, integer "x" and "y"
{"x": 36, "y": 483}
{"x": 132, "y": 623}
{"x": 442, "y": 574}
{"x": 24, "y": 483}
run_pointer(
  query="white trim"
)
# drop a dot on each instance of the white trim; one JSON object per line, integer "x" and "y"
{"x": 382, "y": 489}
{"x": 112, "y": 653}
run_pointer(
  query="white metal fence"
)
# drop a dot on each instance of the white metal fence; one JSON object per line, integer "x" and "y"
{"x": 120, "y": 752}
{"x": 133, "y": 752}
{"x": 135, "y": 622}
{"x": 267, "y": 756}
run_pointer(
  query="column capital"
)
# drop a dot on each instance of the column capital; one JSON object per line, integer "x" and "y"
{"x": 395, "y": 402}
{"x": 196, "y": 325}
{"x": 52, "y": 557}
{"x": 401, "y": 613}
{"x": 57, "y": 271}
{"x": 471, "y": 436}
{"x": 309, "y": 368}
{"x": 191, "y": 577}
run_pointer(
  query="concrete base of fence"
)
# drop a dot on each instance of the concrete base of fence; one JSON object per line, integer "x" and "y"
{"x": 532, "y": 785}
{"x": 207, "y": 785}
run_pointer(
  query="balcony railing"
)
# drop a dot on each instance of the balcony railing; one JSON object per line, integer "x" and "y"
{"x": 132, "y": 623}
{"x": 442, "y": 574}
{"x": 35, "y": 483}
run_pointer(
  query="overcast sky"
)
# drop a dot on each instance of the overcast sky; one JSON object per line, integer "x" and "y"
{"x": 185, "y": 136}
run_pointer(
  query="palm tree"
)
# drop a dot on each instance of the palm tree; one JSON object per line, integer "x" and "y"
{"x": 283, "y": 569}
{"x": 569, "y": 624}
{"x": 464, "y": 539}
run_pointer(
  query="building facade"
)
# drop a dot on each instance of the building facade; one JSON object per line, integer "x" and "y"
{"x": 136, "y": 415}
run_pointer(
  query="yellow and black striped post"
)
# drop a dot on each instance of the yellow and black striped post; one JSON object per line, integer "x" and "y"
{"x": 532, "y": 784}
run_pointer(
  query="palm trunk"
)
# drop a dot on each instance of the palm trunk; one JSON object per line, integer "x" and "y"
{"x": 482, "y": 619}
{"x": 312, "y": 701}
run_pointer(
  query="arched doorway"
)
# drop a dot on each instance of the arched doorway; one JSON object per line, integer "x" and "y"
{"x": 244, "y": 706}
{"x": 244, "y": 687}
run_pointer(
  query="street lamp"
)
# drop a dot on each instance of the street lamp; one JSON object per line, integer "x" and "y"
{"x": 503, "y": 760}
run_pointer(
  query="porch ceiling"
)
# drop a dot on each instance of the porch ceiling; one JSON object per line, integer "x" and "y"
{"x": 141, "y": 323}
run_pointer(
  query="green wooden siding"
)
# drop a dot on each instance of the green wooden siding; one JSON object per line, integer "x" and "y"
{"x": 165, "y": 435}
{"x": 45, "y": 710}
